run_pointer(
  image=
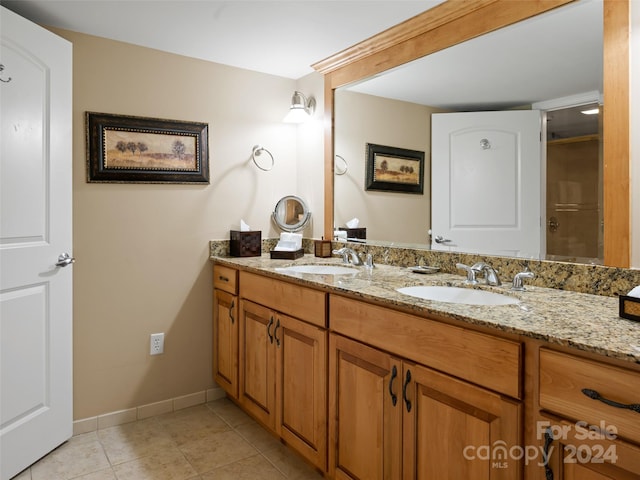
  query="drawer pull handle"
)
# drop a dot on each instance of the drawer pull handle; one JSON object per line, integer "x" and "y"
{"x": 394, "y": 397}
{"x": 548, "y": 438}
{"x": 596, "y": 396}
{"x": 269, "y": 325}
{"x": 233, "y": 304}
{"x": 275, "y": 333}
{"x": 224, "y": 279}
{"x": 404, "y": 391}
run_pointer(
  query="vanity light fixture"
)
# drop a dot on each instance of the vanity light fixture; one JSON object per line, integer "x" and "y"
{"x": 301, "y": 108}
{"x": 592, "y": 111}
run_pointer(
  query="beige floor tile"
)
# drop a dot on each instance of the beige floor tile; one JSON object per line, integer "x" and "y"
{"x": 229, "y": 412}
{"x": 252, "y": 468}
{"x": 135, "y": 440}
{"x": 192, "y": 424}
{"x": 216, "y": 441}
{"x": 168, "y": 465}
{"x": 217, "y": 450}
{"x": 77, "y": 457}
{"x": 106, "y": 474}
{"x": 292, "y": 466}
{"x": 257, "y": 436}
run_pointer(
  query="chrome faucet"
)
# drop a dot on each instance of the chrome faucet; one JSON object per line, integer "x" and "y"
{"x": 471, "y": 272}
{"x": 490, "y": 274}
{"x": 518, "y": 284}
{"x": 347, "y": 253}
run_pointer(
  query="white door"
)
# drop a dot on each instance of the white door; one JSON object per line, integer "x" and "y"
{"x": 486, "y": 188}
{"x": 35, "y": 229}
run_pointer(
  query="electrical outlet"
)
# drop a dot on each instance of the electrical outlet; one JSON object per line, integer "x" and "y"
{"x": 156, "y": 344}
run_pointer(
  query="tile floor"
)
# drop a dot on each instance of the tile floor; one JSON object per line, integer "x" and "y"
{"x": 214, "y": 441}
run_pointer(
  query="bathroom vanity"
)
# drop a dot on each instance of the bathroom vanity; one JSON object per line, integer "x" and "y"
{"x": 368, "y": 383}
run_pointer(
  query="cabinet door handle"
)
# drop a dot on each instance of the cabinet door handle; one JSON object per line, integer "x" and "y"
{"x": 224, "y": 279}
{"x": 233, "y": 304}
{"x": 546, "y": 451}
{"x": 269, "y": 325}
{"x": 275, "y": 333}
{"x": 407, "y": 402}
{"x": 596, "y": 396}
{"x": 394, "y": 374}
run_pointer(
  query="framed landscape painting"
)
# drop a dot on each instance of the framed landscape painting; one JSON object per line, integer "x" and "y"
{"x": 123, "y": 149}
{"x": 394, "y": 169}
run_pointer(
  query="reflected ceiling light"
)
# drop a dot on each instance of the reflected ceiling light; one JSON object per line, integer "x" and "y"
{"x": 301, "y": 108}
{"x": 592, "y": 111}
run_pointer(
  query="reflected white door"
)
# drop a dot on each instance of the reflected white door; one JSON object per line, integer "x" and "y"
{"x": 486, "y": 188}
{"x": 35, "y": 228}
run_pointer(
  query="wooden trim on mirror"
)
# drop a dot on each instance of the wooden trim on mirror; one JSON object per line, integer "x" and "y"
{"x": 616, "y": 149}
{"x": 455, "y": 21}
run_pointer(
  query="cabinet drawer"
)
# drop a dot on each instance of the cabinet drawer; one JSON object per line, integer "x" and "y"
{"x": 562, "y": 379}
{"x": 225, "y": 278}
{"x": 300, "y": 302}
{"x": 489, "y": 361}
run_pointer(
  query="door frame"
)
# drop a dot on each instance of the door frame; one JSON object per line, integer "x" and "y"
{"x": 560, "y": 104}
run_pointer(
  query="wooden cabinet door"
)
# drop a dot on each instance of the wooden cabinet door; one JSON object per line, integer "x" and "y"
{"x": 257, "y": 362}
{"x": 365, "y": 412}
{"x": 225, "y": 341}
{"x": 454, "y": 430}
{"x": 579, "y": 452}
{"x": 301, "y": 393}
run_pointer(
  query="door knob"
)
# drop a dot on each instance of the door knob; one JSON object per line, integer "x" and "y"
{"x": 64, "y": 259}
{"x": 441, "y": 239}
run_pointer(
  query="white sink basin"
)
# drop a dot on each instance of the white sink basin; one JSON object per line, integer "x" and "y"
{"x": 319, "y": 269}
{"x": 458, "y": 295}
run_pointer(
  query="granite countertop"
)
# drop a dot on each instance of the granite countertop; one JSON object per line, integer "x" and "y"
{"x": 578, "y": 320}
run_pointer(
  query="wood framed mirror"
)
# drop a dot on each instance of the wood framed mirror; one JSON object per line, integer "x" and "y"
{"x": 453, "y": 22}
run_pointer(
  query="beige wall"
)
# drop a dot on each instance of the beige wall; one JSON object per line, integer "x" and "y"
{"x": 142, "y": 250}
{"x": 362, "y": 119}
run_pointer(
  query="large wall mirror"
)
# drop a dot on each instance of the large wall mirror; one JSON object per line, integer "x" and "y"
{"x": 378, "y": 92}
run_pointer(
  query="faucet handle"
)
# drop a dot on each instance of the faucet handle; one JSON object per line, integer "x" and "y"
{"x": 369, "y": 261}
{"x": 479, "y": 266}
{"x": 342, "y": 251}
{"x": 471, "y": 272}
{"x": 518, "y": 284}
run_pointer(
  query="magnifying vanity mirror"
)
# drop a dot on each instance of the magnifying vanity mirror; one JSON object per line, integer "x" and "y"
{"x": 291, "y": 214}
{"x": 355, "y": 78}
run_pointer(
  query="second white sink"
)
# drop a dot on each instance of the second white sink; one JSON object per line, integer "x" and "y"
{"x": 319, "y": 269}
{"x": 458, "y": 295}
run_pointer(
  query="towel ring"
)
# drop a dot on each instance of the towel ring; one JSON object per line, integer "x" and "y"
{"x": 340, "y": 169}
{"x": 257, "y": 151}
{"x": 2, "y": 79}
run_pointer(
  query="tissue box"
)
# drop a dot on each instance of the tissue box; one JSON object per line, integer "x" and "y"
{"x": 278, "y": 254}
{"x": 630, "y": 308}
{"x": 322, "y": 248}
{"x": 245, "y": 244}
{"x": 360, "y": 232}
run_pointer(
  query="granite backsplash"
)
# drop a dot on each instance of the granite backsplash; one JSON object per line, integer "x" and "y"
{"x": 576, "y": 277}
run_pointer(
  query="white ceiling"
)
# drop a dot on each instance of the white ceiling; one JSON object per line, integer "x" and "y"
{"x": 554, "y": 55}
{"x": 282, "y": 38}
{"x": 548, "y": 57}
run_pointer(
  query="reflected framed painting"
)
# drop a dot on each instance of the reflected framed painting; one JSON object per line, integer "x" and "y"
{"x": 127, "y": 149}
{"x": 394, "y": 169}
